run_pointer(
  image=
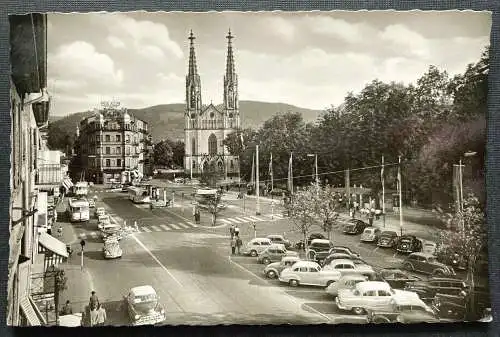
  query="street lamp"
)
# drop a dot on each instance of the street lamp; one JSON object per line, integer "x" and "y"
{"x": 315, "y": 166}
{"x": 461, "y": 178}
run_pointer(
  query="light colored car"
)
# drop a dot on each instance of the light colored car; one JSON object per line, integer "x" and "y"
{"x": 256, "y": 246}
{"x": 274, "y": 253}
{"x": 429, "y": 247}
{"x": 369, "y": 295}
{"x": 99, "y": 212}
{"x": 273, "y": 270}
{"x": 91, "y": 202}
{"x": 112, "y": 249}
{"x": 404, "y": 310}
{"x": 308, "y": 273}
{"x": 345, "y": 282}
{"x": 370, "y": 234}
{"x": 348, "y": 267}
{"x": 143, "y": 306}
{"x": 179, "y": 180}
{"x": 277, "y": 238}
{"x": 426, "y": 264}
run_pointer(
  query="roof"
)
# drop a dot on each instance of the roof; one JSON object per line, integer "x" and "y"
{"x": 306, "y": 264}
{"x": 320, "y": 241}
{"x": 219, "y": 108}
{"x": 290, "y": 258}
{"x": 372, "y": 285}
{"x": 342, "y": 261}
{"x": 275, "y": 236}
{"x": 142, "y": 290}
{"x": 78, "y": 202}
{"x": 408, "y": 300}
{"x": 259, "y": 239}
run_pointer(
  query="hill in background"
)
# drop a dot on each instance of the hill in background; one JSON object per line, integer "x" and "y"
{"x": 167, "y": 120}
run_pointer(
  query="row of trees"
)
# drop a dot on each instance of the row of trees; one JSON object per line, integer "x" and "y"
{"x": 169, "y": 153}
{"x": 429, "y": 124}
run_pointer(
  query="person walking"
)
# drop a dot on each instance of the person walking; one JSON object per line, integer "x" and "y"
{"x": 101, "y": 316}
{"x": 94, "y": 301}
{"x": 59, "y": 231}
{"x": 231, "y": 231}
{"x": 94, "y": 316}
{"x": 67, "y": 310}
{"x": 239, "y": 243}
{"x": 370, "y": 218}
{"x": 233, "y": 245}
{"x": 236, "y": 230}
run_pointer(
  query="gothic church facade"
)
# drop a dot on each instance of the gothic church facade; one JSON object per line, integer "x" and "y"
{"x": 206, "y": 126}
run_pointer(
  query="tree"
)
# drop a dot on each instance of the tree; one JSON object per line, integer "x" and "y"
{"x": 325, "y": 207}
{"x": 468, "y": 236}
{"x": 301, "y": 209}
{"x": 178, "y": 151}
{"x": 162, "y": 153}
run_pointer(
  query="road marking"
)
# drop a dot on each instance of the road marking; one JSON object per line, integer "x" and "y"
{"x": 182, "y": 225}
{"x": 255, "y": 218}
{"x": 247, "y": 218}
{"x": 174, "y": 226}
{"x": 156, "y": 228}
{"x": 234, "y": 220}
{"x": 156, "y": 260}
{"x": 165, "y": 227}
{"x": 242, "y": 220}
{"x": 145, "y": 229}
{"x": 192, "y": 224}
{"x": 225, "y": 221}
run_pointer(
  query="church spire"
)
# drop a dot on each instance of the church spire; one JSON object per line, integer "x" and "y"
{"x": 192, "y": 70}
{"x": 230, "y": 72}
{"x": 193, "y": 83}
{"x": 230, "y": 79}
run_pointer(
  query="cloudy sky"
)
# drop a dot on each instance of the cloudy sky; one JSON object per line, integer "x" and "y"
{"x": 307, "y": 59}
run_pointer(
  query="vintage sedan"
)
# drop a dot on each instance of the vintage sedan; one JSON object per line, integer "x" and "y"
{"x": 369, "y": 295}
{"x": 396, "y": 278}
{"x": 345, "y": 282}
{"x": 276, "y": 238}
{"x": 354, "y": 226}
{"x": 308, "y": 273}
{"x": 348, "y": 267}
{"x": 343, "y": 250}
{"x": 99, "y": 211}
{"x": 273, "y": 270}
{"x": 143, "y": 306}
{"x": 274, "y": 253}
{"x": 429, "y": 247}
{"x": 388, "y": 239}
{"x": 426, "y": 264}
{"x": 337, "y": 256}
{"x": 427, "y": 290}
{"x": 409, "y": 244}
{"x": 370, "y": 234}
{"x": 255, "y": 246}
{"x": 319, "y": 249}
{"x": 112, "y": 249}
{"x": 404, "y": 310}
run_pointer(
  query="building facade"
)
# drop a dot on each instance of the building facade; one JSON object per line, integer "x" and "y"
{"x": 206, "y": 126}
{"x": 110, "y": 142}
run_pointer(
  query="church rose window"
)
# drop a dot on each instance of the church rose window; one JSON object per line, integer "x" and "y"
{"x": 212, "y": 145}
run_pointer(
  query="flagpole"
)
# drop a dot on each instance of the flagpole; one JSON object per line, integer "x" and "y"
{"x": 400, "y": 196}
{"x": 271, "y": 171}
{"x": 383, "y": 191}
{"x": 257, "y": 187}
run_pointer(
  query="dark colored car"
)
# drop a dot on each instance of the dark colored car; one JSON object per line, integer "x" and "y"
{"x": 388, "y": 239}
{"x": 427, "y": 264}
{"x": 454, "y": 307}
{"x": 404, "y": 314}
{"x": 354, "y": 226}
{"x": 319, "y": 249}
{"x": 427, "y": 290}
{"x": 396, "y": 278}
{"x": 409, "y": 244}
{"x": 300, "y": 244}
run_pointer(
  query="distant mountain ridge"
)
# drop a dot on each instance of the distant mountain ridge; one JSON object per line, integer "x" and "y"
{"x": 167, "y": 120}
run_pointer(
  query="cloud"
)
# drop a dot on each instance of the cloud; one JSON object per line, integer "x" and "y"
{"x": 406, "y": 39}
{"x": 79, "y": 61}
{"x": 152, "y": 52}
{"x": 115, "y": 42}
{"x": 280, "y": 27}
{"x": 347, "y": 32}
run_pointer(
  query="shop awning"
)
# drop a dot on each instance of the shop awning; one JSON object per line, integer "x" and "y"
{"x": 29, "y": 312}
{"x": 67, "y": 183}
{"x": 49, "y": 242}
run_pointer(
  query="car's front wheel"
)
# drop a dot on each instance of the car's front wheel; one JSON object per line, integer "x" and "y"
{"x": 266, "y": 260}
{"x": 358, "y": 310}
{"x": 271, "y": 274}
{"x": 328, "y": 283}
{"x": 293, "y": 283}
{"x": 253, "y": 253}
{"x": 408, "y": 266}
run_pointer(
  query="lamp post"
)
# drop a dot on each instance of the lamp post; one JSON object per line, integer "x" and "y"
{"x": 461, "y": 178}
{"x": 315, "y": 155}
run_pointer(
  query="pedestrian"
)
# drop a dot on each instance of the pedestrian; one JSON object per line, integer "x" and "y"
{"x": 233, "y": 245}
{"x": 67, "y": 310}
{"x": 370, "y": 218}
{"x": 101, "y": 315}
{"x": 197, "y": 216}
{"x": 239, "y": 243}
{"x": 236, "y": 230}
{"x": 227, "y": 188}
{"x": 94, "y": 300}
{"x": 59, "y": 231}
{"x": 94, "y": 317}
{"x": 231, "y": 231}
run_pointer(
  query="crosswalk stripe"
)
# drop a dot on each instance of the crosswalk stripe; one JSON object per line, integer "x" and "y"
{"x": 256, "y": 219}
{"x": 182, "y": 225}
{"x": 242, "y": 219}
{"x": 225, "y": 221}
{"x": 174, "y": 226}
{"x": 233, "y": 220}
{"x": 156, "y": 228}
{"x": 247, "y": 218}
{"x": 145, "y": 229}
{"x": 192, "y": 224}
{"x": 165, "y": 227}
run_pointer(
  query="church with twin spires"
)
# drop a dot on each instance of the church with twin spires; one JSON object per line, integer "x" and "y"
{"x": 206, "y": 126}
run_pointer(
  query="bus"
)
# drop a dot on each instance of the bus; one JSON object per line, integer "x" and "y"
{"x": 139, "y": 195}
{"x": 81, "y": 189}
{"x": 204, "y": 198}
{"x": 78, "y": 210}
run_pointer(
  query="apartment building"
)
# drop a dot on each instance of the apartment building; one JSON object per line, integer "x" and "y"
{"x": 30, "y": 250}
{"x": 110, "y": 142}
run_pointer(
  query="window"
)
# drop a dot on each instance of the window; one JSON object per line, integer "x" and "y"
{"x": 383, "y": 293}
{"x": 118, "y": 138}
{"x": 212, "y": 145}
{"x": 303, "y": 269}
{"x": 370, "y": 293}
{"x": 108, "y": 162}
{"x": 108, "y": 138}
{"x": 108, "y": 150}
{"x": 119, "y": 162}
{"x": 232, "y": 164}
{"x": 127, "y": 139}
{"x": 118, "y": 150}
{"x": 128, "y": 150}
{"x": 313, "y": 270}
{"x": 193, "y": 146}
{"x": 256, "y": 243}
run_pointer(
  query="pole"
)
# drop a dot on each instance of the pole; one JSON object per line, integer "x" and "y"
{"x": 257, "y": 187}
{"x": 239, "y": 173}
{"x": 383, "y": 192}
{"x": 460, "y": 176}
{"x": 316, "y": 168}
{"x": 348, "y": 189}
{"x": 272, "y": 210}
{"x": 400, "y": 196}
{"x": 81, "y": 262}
{"x": 191, "y": 169}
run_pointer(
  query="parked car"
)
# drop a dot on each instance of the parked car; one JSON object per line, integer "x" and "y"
{"x": 255, "y": 246}
{"x": 343, "y": 250}
{"x": 300, "y": 244}
{"x": 345, "y": 282}
{"x": 409, "y": 244}
{"x": 91, "y": 202}
{"x": 308, "y": 273}
{"x": 404, "y": 310}
{"x": 337, "y": 256}
{"x": 319, "y": 249}
{"x": 179, "y": 180}
{"x": 99, "y": 212}
{"x": 143, "y": 306}
{"x": 273, "y": 270}
{"x": 354, "y": 226}
{"x": 396, "y": 278}
{"x": 370, "y": 234}
{"x": 454, "y": 307}
{"x": 348, "y": 267}
{"x": 429, "y": 247}
{"x": 427, "y": 290}
{"x": 369, "y": 295}
{"x": 277, "y": 238}
{"x": 388, "y": 239}
{"x": 273, "y": 253}
{"x": 112, "y": 249}
{"x": 426, "y": 264}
